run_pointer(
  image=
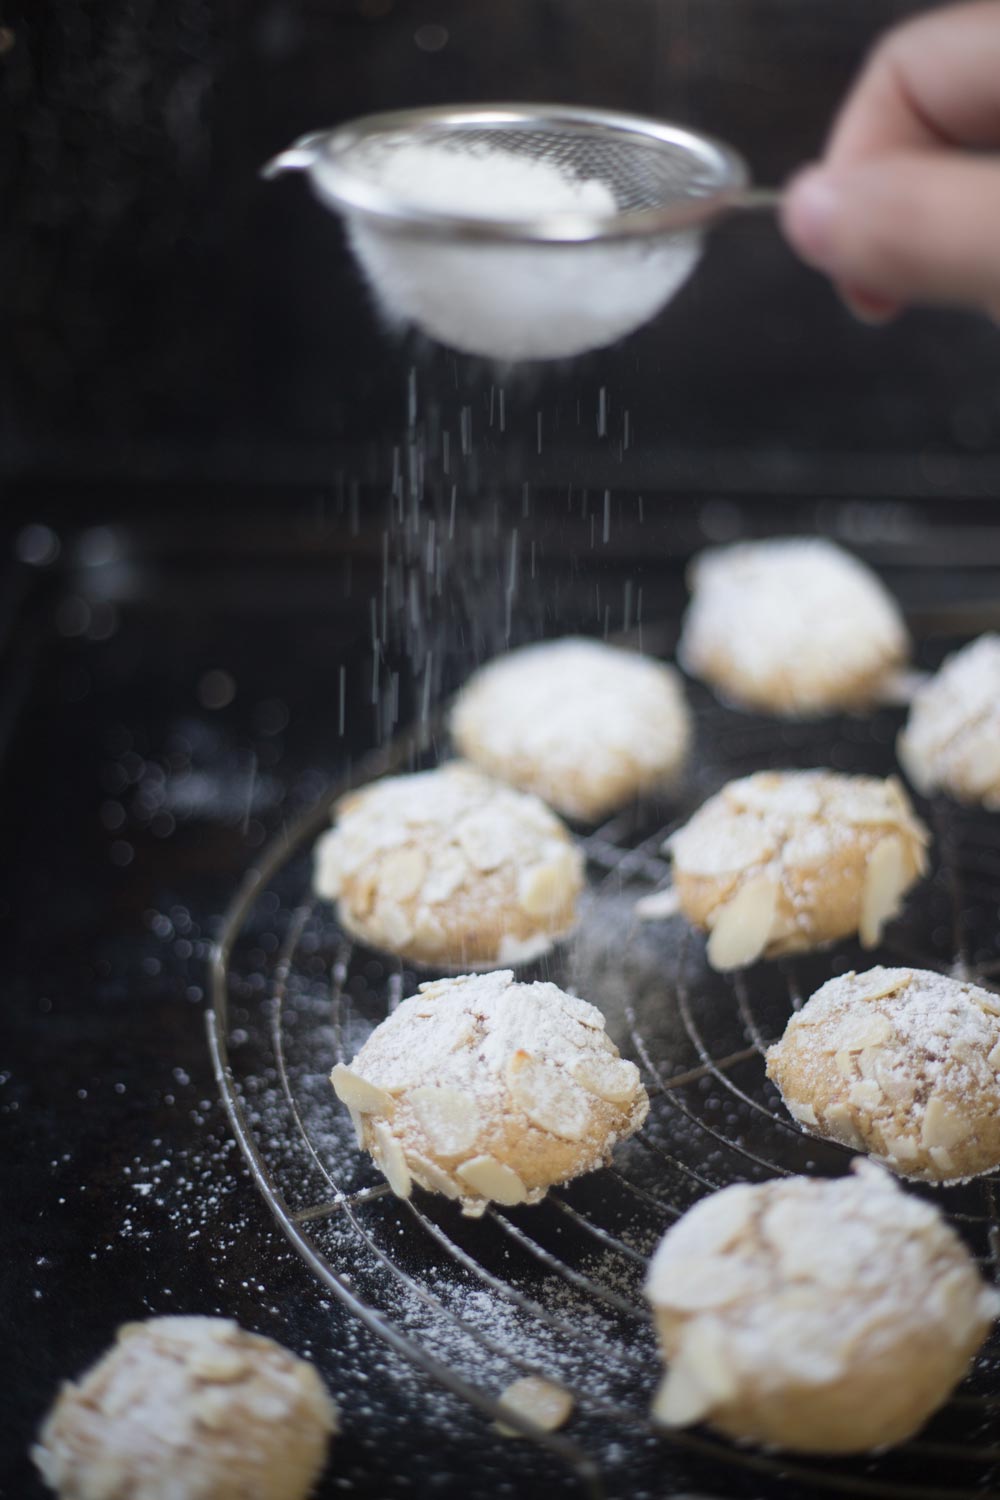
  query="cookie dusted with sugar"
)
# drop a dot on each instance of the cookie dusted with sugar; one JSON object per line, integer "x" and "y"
{"x": 794, "y": 626}
{"x": 785, "y": 861}
{"x": 951, "y": 742}
{"x": 188, "y": 1408}
{"x": 490, "y": 1091}
{"x": 822, "y": 1317}
{"x": 584, "y": 725}
{"x": 451, "y": 869}
{"x": 901, "y": 1063}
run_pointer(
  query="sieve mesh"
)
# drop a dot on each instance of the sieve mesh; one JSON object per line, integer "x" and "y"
{"x": 569, "y": 1271}
{"x": 640, "y": 173}
{"x": 662, "y": 177}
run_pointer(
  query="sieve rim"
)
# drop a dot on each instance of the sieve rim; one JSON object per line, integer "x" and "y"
{"x": 326, "y": 156}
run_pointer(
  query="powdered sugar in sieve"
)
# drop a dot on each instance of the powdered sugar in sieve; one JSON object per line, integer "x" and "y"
{"x": 522, "y": 232}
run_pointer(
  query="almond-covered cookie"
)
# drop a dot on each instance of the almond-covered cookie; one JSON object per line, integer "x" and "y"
{"x": 490, "y": 1091}
{"x": 793, "y": 626}
{"x": 785, "y": 861}
{"x": 191, "y": 1407}
{"x": 901, "y": 1063}
{"x": 450, "y": 868}
{"x": 951, "y": 742}
{"x": 584, "y": 725}
{"x": 823, "y": 1317}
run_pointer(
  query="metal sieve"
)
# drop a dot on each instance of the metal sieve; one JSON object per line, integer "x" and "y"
{"x": 546, "y": 286}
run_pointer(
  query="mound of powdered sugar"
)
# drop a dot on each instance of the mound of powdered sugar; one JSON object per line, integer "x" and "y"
{"x": 509, "y": 301}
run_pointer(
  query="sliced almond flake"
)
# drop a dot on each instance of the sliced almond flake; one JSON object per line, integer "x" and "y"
{"x": 680, "y": 1399}
{"x": 895, "y": 1082}
{"x": 865, "y": 1095}
{"x": 430, "y": 1176}
{"x": 658, "y": 905}
{"x": 217, "y": 1364}
{"x": 891, "y": 985}
{"x": 706, "y": 1354}
{"x": 613, "y": 1079}
{"x": 886, "y": 879}
{"x": 903, "y": 1147}
{"x": 392, "y": 1160}
{"x": 544, "y": 1404}
{"x": 868, "y": 1063}
{"x": 391, "y": 925}
{"x": 359, "y": 1095}
{"x": 943, "y": 1125}
{"x": 357, "y": 1121}
{"x": 485, "y": 840}
{"x": 741, "y": 928}
{"x": 447, "y": 871}
{"x": 845, "y": 1063}
{"x": 492, "y": 1179}
{"x": 869, "y": 1031}
{"x": 840, "y": 1123}
{"x": 942, "y": 1159}
{"x": 993, "y": 1058}
{"x": 544, "y": 889}
{"x": 804, "y": 1113}
{"x": 401, "y": 874}
{"x": 988, "y": 1003}
{"x": 548, "y": 1095}
{"x": 449, "y": 1119}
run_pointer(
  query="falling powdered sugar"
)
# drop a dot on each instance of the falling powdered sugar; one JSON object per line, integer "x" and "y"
{"x": 508, "y": 301}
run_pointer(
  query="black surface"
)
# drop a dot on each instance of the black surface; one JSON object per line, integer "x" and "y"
{"x": 131, "y": 810}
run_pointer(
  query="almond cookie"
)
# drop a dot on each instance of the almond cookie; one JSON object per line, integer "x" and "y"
{"x": 785, "y": 861}
{"x": 822, "y": 1317}
{"x": 584, "y": 725}
{"x": 951, "y": 741}
{"x": 901, "y": 1063}
{"x": 490, "y": 1091}
{"x": 190, "y": 1407}
{"x": 794, "y": 626}
{"x": 451, "y": 869}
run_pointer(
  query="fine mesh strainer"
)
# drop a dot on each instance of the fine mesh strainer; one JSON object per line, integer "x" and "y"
{"x": 523, "y": 231}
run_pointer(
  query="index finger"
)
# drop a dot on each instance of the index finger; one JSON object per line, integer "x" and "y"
{"x": 933, "y": 82}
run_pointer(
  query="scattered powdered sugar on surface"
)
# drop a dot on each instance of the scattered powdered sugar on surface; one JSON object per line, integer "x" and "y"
{"x": 794, "y": 620}
{"x": 952, "y": 738}
{"x": 575, "y": 720}
{"x": 509, "y": 302}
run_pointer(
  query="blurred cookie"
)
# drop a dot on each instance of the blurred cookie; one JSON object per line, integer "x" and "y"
{"x": 901, "y": 1063}
{"x": 450, "y": 868}
{"x": 785, "y": 861}
{"x": 822, "y": 1317}
{"x": 794, "y": 626}
{"x": 951, "y": 742}
{"x": 188, "y": 1407}
{"x": 585, "y": 726}
{"x": 490, "y": 1091}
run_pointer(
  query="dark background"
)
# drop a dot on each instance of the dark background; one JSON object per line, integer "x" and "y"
{"x": 168, "y": 316}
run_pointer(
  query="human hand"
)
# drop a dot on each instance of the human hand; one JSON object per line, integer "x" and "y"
{"x": 905, "y": 205}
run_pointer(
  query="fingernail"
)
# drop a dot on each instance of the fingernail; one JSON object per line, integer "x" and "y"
{"x": 809, "y": 216}
{"x": 867, "y": 307}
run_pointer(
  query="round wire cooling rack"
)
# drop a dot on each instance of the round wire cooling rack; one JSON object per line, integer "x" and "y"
{"x": 555, "y": 1290}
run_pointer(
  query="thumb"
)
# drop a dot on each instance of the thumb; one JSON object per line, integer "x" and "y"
{"x": 907, "y": 228}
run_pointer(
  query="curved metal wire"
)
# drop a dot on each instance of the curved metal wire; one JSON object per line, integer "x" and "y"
{"x": 686, "y": 1153}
